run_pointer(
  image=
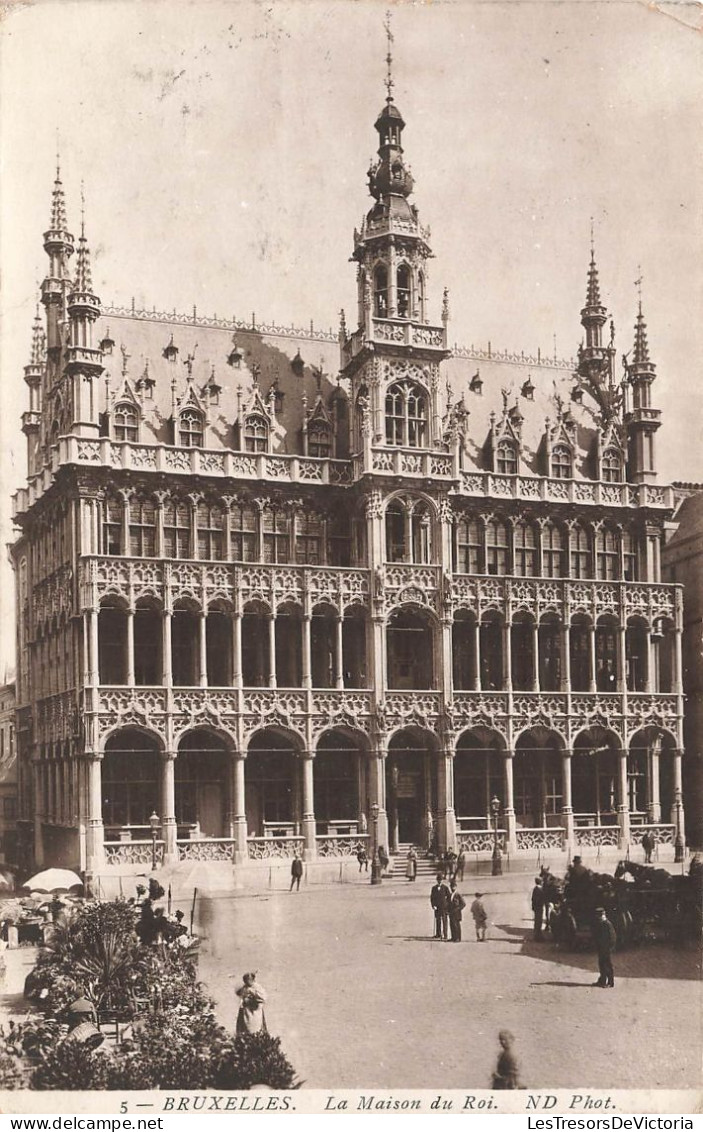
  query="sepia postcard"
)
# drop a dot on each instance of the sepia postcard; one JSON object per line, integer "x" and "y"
{"x": 352, "y": 494}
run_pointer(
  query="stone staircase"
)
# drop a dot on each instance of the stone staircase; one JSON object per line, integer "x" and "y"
{"x": 426, "y": 867}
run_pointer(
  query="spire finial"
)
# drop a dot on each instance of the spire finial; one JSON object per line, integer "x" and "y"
{"x": 389, "y": 58}
{"x": 82, "y": 208}
{"x": 593, "y": 241}
{"x": 638, "y": 284}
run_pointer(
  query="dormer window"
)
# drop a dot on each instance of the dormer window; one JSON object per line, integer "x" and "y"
{"x": 256, "y": 434}
{"x": 611, "y": 466}
{"x": 319, "y": 440}
{"x": 506, "y": 458}
{"x": 562, "y": 462}
{"x": 403, "y": 291}
{"x": 190, "y": 429}
{"x": 380, "y": 291}
{"x": 126, "y": 421}
{"x": 406, "y": 415}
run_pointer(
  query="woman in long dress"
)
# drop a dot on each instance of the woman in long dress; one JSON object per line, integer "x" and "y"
{"x": 411, "y": 864}
{"x": 251, "y": 1018}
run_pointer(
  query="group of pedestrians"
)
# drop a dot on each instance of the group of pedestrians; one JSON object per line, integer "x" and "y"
{"x": 448, "y": 907}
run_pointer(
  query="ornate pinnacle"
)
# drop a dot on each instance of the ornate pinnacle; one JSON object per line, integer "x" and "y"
{"x": 38, "y": 341}
{"x": 84, "y": 280}
{"x": 445, "y": 305}
{"x": 58, "y": 203}
{"x": 593, "y": 287}
{"x": 640, "y": 353}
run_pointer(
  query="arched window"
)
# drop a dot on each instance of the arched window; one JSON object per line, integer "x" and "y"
{"x": 611, "y": 466}
{"x": 126, "y": 420}
{"x": 211, "y": 531}
{"x": 580, "y": 552}
{"x": 607, "y": 554}
{"x": 276, "y": 535}
{"x": 469, "y": 546}
{"x": 406, "y": 415}
{"x": 562, "y": 462}
{"x": 243, "y": 533}
{"x": 403, "y": 291}
{"x": 380, "y": 291}
{"x": 142, "y": 527}
{"x": 497, "y": 547}
{"x": 553, "y": 551}
{"x": 525, "y": 550}
{"x": 256, "y": 433}
{"x": 506, "y": 458}
{"x": 319, "y": 439}
{"x": 408, "y": 531}
{"x": 190, "y": 429}
{"x": 176, "y": 529}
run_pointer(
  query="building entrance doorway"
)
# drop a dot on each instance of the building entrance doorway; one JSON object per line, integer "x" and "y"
{"x": 408, "y": 790}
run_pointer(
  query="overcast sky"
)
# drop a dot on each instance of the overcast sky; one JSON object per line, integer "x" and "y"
{"x": 224, "y": 148}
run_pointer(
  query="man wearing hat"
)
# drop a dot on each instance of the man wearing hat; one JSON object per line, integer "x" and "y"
{"x": 456, "y": 908}
{"x": 604, "y": 933}
{"x": 480, "y": 917}
{"x": 439, "y": 899}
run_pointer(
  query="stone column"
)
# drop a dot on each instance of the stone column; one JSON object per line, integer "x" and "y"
{"x": 93, "y": 649}
{"x": 96, "y": 830}
{"x": 653, "y": 640}
{"x": 238, "y": 822}
{"x": 166, "y": 649}
{"x": 565, "y": 658}
{"x": 339, "y": 653}
{"x": 678, "y": 814}
{"x": 535, "y": 656}
{"x": 237, "y": 650}
{"x": 509, "y": 809}
{"x": 272, "y": 650}
{"x": 507, "y": 657}
{"x": 592, "y": 657}
{"x": 655, "y": 810}
{"x": 130, "y": 646}
{"x": 447, "y": 659}
{"x": 202, "y": 648}
{"x": 309, "y": 830}
{"x": 477, "y": 655}
{"x": 169, "y": 829}
{"x": 567, "y": 808}
{"x": 623, "y": 805}
{"x": 307, "y": 660}
{"x": 445, "y": 797}
{"x": 678, "y": 663}
{"x": 377, "y": 784}
{"x": 39, "y": 811}
{"x": 622, "y": 659}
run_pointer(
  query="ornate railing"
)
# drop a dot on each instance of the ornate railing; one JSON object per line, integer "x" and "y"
{"x": 547, "y": 837}
{"x": 663, "y": 833}
{"x": 133, "y": 853}
{"x": 492, "y": 485}
{"x": 208, "y": 849}
{"x": 340, "y": 845}
{"x": 481, "y": 840}
{"x": 270, "y": 848}
{"x": 243, "y": 325}
{"x": 130, "y": 578}
{"x": 412, "y": 462}
{"x": 596, "y": 836}
{"x": 650, "y": 600}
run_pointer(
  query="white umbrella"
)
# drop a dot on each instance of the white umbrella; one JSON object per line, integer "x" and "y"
{"x": 53, "y": 880}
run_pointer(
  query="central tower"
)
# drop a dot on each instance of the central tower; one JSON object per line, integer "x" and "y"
{"x": 392, "y": 358}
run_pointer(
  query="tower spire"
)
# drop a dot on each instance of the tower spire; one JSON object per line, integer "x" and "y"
{"x": 84, "y": 281}
{"x": 640, "y": 353}
{"x": 389, "y": 58}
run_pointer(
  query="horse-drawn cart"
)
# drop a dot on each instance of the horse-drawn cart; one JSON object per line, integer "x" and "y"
{"x": 642, "y": 903}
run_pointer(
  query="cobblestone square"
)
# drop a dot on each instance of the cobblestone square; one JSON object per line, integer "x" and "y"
{"x": 363, "y": 997}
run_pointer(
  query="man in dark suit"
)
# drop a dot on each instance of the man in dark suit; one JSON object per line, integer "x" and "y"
{"x": 604, "y": 933}
{"x": 456, "y": 907}
{"x": 439, "y": 899}
{"x": 538, "y": 907}
{"x": 296, "y": 872}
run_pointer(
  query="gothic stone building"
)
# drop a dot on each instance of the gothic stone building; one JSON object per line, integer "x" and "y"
{"x": 285, "y": 590}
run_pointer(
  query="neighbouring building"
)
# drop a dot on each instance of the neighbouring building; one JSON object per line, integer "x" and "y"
{"x": 282, "y": 589}
{"x": 682, "y": 562}
{"x": 8, "y": 776}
